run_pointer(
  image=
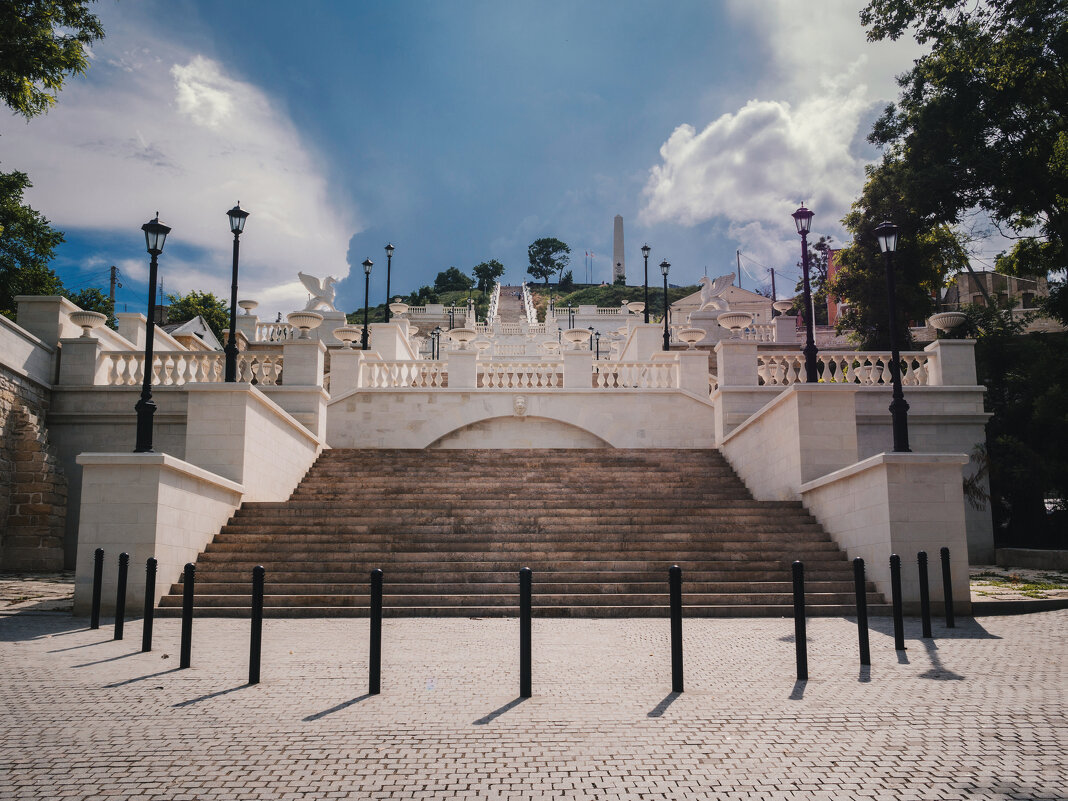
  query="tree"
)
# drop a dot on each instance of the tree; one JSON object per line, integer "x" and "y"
{"x": 818, "y": 258}
{"x": 92, "y": 299}
{"x": 981, "y": 121}
{"x": 452, "y": 280}
{"x": 41, "y": 43}
{"x": 926, "y": 252}
{"x": 487, "y": 272}
{"x": 547, "y": 257}
{"x": 567, "y": 283}
{"x": 215, "y": 311}
{"x": 27, "y": 244}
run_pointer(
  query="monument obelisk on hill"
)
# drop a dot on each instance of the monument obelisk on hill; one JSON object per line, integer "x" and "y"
{"x": 619, "y": 263}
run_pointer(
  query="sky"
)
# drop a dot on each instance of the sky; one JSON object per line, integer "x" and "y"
{"x": 458, "y": 131}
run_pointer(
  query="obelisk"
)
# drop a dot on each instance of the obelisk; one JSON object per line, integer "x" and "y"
{"x": 619, "y": 262}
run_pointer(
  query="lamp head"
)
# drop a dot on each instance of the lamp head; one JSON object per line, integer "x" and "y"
{"x": 367, "y": 265}
{"x": 664, "y": 268}
{"x": 237, "y": 217}
{"x": 155, "y": 235}
{"x": 646, "y": 249}
{"x": 886, "y": 233}
{"x": 389, "y": 250}
{"x": 803, "y": 219}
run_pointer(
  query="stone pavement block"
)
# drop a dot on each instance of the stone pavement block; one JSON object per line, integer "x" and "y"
{"x": 976, "y": 713}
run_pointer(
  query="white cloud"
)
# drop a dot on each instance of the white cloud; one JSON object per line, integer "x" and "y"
{"x": 751, "y": 167}
{"x": 159, "y": 127}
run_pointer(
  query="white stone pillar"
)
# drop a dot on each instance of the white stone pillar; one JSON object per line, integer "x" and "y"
{"x": 578, "y": 369}
{"x": 302, "y": 362}
{"x": 462, "y": 367}
{"x": 952, "y": 363}
{"x": 390, "y": 340}
{"x": 246, "y": 324}
{"x": 693, "y": 372}
{"x": 131, "y": 326}
{"x": 643, "y": 341}
{"x": 736, "y": 363}
{"x": 79, "y": 362}
{"x": 785, "y": 329}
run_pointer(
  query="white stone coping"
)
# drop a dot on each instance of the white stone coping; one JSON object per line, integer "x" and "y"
{"x": 31, "y": 343}
{"x": 264, "y": 400}
{"x": 164, "y": 460}
{"x": 879, "y": 459}
{"x": 780, "y": 399}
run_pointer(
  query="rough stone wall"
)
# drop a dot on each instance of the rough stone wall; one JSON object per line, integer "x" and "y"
{"x": 33, "y": 489}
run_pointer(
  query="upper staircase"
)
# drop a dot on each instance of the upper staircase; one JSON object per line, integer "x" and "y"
{"x": 451, "y": 528}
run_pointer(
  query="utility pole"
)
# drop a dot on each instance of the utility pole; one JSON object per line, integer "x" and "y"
{"x": 773, "y": 296}
{"x": 738, "y": 258}
{"x": 114, "y": 283}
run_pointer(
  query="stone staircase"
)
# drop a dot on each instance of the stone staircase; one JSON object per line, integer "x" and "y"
{"x": 451, "y": 528}
{"x": 509, "y": 307}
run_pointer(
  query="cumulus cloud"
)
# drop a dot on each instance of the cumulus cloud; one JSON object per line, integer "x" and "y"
{"x": 160, "y": 127}
{"x": 752, "y": 166}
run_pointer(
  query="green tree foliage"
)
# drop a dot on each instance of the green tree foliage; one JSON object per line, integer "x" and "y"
{"x": 421, "y": 297}
{"x": 27, "y": 245}
{"x": 567, "y": 283}
{"x": 41, "y": 43}
{"x": 981, "y": 118}
{"x": 926, "y": 252}
{"x": 818, "y": 257}
{"x": 452, "y": 280}
{"x": 487, "y": 273}
{"x": 215, "y": 311}
{"x": 93, "y": 299}
{"x": 547, "y": 256}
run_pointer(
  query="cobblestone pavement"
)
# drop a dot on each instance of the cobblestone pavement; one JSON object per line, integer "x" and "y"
{"x": 36, "y": 592}
{"x": 977, "y": 713}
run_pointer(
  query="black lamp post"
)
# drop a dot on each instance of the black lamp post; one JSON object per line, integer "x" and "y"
{"x": 155, "y": 235}
{"x": 597, "y": 340}
{"x": 803, "y": 220}
{"x": 237, "y": 217}
{"x": 886, "y": 232}
{"x": 389, "y": 266}
{"x": 645, "y": 254}
{"x": 367, "y": 265}
{"x": 452, "y": 321}
{"x": 435, "y": 343}
{"x": 664, "y": 267}
{"x": 570, "y": 316}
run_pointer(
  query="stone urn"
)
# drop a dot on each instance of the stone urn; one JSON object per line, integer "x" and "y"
{"x": 88, "y": 320}
{"x": 248, "y": 305}
{"x": 783, "y": 306}
{"x": 397, "y": 308}
{"x": 551, "y": 347}
{"x": 347, "y": 334}
{"x": 691, "y": 336}
{"x": 462, "y": 336}
{"x": 735, "y": 321}
{"x": 636, "y": 307}
{"x": 943, "y": 321}
{"x": 482, "y": 345}
{"x": 305, "y": 321}
{"x": 577, "y": 336}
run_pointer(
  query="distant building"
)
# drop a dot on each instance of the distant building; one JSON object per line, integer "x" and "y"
{"x": 968, "y": 287}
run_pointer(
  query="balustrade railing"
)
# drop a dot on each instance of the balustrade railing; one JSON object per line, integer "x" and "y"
{"x": 520, "y": 375}
{"x": 398, "y": 374}
{"x": 528, "y": 305}
{"x": 612, "y": 310}
{"x": 274, "y": 332}
{"x": 494, "y": 302}
{"x": 508, "y": 349}
{"x": 847, "y": 367}
{"x": 636, "y": 375}
{"x": 176, "y": 368}
{"x": 760, "y": 332}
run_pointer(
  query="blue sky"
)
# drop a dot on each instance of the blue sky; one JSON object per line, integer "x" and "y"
{"x": 459, "y": 131}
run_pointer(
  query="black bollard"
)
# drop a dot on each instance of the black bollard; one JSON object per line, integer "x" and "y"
{"x": 675, "y": 593}
{"x": 120, "y": 595}
{"x": 800, "y": 637}
{"x": 98, "y": 580}
{"x": 895, "y": 590}
{"x": 525, "y": 581}
{"x": 860, "y": 585}
{"x": 150, "y": 604}
{"x": 947, "y": 589}
{"x": 258, "y": 574}
{"x": 925, "y": 593}
{"x": 188, "y": 580}
{"x": 374, "y": 662}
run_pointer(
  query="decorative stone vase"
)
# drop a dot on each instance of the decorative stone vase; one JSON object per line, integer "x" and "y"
{"x": 248, "y": 305}
{"x": 88, "y": 320}
{"x": 943, "y": 321}
{"x": 691, "y": 336}
{"x": 482, "y": 345}
{"x": 397, "y": 308}
{"x": 636, "y": 307}
{"x": 462, "y": 336}
{"x": 783, "y": 306}
{"x": 347, "y": 334}
{"x": 305, "y": 321}
{"x": 577, "y": 336}
{"x": 735, "y": 321}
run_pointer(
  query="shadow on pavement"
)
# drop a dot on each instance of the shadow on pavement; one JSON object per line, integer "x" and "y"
{"x": 338, "y": 708}
{"x": 209, "y": 696}
{"x": 496, "y": 713}
{"x": 141, "y": 678}
{"x": 660, "y": 708}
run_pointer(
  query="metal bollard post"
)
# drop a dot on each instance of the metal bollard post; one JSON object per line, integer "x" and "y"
{"x": 188, "y": 580}
{"x": 98, "y": 580}
{"x": 525, "y": 582}
{"x": 256, "y": 639}
{"x": 675, "y": 593}
{"x": 800, "y": 637}
{"x": 925, "y": 593}
{"x": 860, "y": 585}
{"x": 374, "y": 662}
{"x": 150, "y": 604}
{"x": 120, "y": 595}
{"x": 947, "y": 589}
{"x": 895, "y": 590}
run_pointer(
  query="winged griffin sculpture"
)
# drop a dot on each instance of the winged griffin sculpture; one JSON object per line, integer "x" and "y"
{"x": 713, "y": 289}
{"x": 322, "y": 295}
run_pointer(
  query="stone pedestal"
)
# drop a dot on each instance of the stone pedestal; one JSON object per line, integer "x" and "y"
{"x": 331, "y": 320}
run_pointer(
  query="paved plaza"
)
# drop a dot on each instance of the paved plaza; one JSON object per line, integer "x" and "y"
{"x": 977, "y": 713}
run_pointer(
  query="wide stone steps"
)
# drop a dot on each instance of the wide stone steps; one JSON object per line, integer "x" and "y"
{"x": 450, "y": 529}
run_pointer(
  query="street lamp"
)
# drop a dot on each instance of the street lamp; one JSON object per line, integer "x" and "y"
{"x": 389, "y": 266}
{"x": 237, "y": 217}
{"x": 155, "y": 235}
{"x": 367, "y": 265}
{"x": 803, "y": 220}
{"x": 664, "y": 267}
{"x": 597, "y": 339}
{"x": 435, "y": 343}
{"x": 886, "y": 233}
{"x": 570, "y": 316}
{"x": 645, "y": 254}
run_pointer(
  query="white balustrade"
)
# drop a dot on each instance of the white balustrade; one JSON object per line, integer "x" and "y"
{"x": 511, "y": 329}
{"x": 274, "y": 332}
{"x": 398, "y": 374}
{"x": 636, "y": 375}
{"x": 510, "y": 349}
{"x": 495, "y": 300}
{"x": 520, "y": 375}
{"x": 176, "y": 368}
{"x": 615, "y": 311}
{"x": 842, "y": 367}
{"x": 528, "y": 305}
{"x": 759, "y": 332}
